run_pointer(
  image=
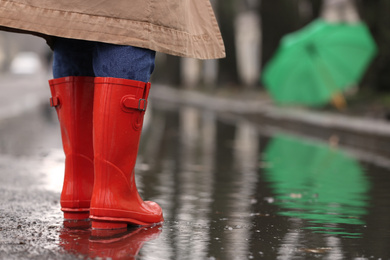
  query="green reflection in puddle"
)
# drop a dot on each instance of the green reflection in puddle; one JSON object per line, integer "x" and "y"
{"x": 318, "y": 183}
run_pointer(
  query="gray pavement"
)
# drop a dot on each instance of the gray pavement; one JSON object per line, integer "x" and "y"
{"x": 30, "y": 218}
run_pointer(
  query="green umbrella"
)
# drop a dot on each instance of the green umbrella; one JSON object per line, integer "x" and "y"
{"x": 318, "y": 62}
{"x": 315, "y": 182}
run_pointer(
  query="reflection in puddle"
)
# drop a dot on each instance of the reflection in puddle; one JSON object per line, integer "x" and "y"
{"x": 74, "y": 237}
{"x": 78, "y": 239}
{"x": 318, "y": 183}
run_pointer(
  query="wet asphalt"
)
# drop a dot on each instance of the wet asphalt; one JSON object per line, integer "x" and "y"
{"x": 30, "y": 218}
{"x": 215, "y": 179}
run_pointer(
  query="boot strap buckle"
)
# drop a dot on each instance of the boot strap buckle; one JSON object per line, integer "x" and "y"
{"x": 142, "y": 104}
{"x": 54, "y": 101}
{"x": 130, "y": 102}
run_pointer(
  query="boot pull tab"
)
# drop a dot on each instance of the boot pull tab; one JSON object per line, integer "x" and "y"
{"x": 130, "y": 102}
{"x": 54, "y": 101}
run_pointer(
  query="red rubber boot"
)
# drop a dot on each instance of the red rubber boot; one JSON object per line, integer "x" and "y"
{"x": 73, "y": 99}
{"x": 119, "y": 109}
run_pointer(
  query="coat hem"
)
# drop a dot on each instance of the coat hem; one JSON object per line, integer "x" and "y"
{"x": 110, "y": 30}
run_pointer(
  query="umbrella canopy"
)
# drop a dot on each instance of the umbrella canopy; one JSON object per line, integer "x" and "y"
{"x": 318, "y": 62}
{"x": 315, "y": 182}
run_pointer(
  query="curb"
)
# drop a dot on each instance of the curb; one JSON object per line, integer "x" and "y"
{"x": 265, "y": 108}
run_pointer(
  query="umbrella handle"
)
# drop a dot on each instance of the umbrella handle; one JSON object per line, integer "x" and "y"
{"x": 338, "y": 101}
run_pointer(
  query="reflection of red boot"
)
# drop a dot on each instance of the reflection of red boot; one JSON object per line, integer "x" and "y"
{"x": 73, "y": 99}
{"x": 120, "y": 244}
{"x": 119, "y": 108}
{"x": 74, "y": 237}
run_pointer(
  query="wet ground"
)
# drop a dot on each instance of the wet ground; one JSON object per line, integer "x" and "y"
{"x": 228, "y": 191}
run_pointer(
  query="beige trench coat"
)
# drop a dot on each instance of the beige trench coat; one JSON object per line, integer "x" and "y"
{"x": 178, "y": 27}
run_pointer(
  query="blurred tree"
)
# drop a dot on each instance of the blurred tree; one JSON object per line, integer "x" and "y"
{"x": 168, "y": 70}
{"x": 316, "y": 7}
{"x": 282, "y": 17}
{"x": 278, "y": 18}
{"x": 227, "y": 10}
{"x": 376, "y": 14}
{"x": 248, "y": 42}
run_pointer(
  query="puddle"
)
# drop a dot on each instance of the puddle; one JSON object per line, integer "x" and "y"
{"x": 227, "y": 191}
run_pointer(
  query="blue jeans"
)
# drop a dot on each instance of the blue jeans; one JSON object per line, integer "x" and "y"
{"x": 96, "y": 59}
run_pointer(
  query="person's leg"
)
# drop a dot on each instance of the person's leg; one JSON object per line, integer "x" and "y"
{"x": 72, "y": 92}
{"x": 125, "y": 62}
{"x": 121, "y": 94}
{"x": 72, "y": 58}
